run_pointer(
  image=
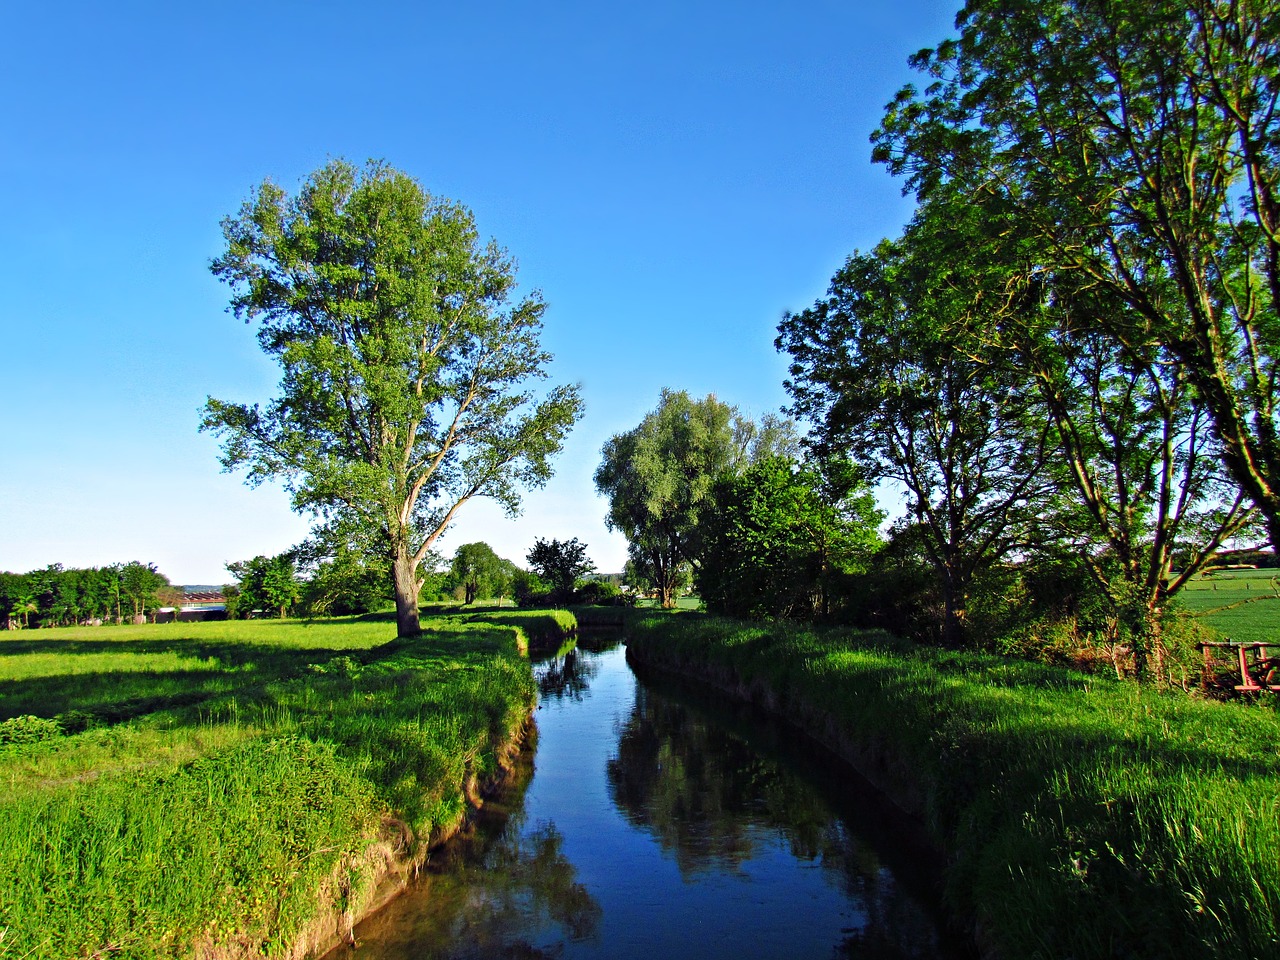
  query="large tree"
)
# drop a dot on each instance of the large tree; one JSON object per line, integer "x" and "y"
{"x": 780, "y": 536}
{"x": 659, "y": 478}
{"x": 480, "y": 572}
{"x": 407, "y": 362}
{"x": 1141, "y": 483}
{"x": 1138, "y": 143}
{"x": 895, "y": 370}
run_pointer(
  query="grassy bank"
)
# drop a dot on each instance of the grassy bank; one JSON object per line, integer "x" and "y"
{"x": 1082, "y": 817}
{"x": 237, "y": 788}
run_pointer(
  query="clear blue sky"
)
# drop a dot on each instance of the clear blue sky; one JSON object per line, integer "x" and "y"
{"x": 672, "y": 176}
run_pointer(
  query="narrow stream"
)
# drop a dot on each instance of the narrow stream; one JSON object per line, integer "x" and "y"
{"x": 654, "y": 821}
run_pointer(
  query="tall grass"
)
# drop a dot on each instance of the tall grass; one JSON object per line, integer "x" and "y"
{"x": 1083, "y": 817}
{"x": 152, "y": 818}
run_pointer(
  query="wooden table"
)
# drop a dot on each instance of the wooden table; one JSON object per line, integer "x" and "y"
{"x": 1259, "y": 668}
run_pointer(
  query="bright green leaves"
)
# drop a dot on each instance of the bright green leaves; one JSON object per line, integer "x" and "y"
{"x": 405, "y": 354}
{"x": 780, "y": 535}
{"x": 659, "y": 478}
{"x": 1137, "y": 147}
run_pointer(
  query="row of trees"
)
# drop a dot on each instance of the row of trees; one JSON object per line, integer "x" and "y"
{"x": 297, "y": 582}
{"x": 1067, "y": 362}
{"x": 58, "y": 597}
{"x": 1069, "y": 356}
{"x": 559, "y": 572}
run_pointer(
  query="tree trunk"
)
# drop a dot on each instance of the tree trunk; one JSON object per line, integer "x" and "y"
{"x": 405, "y": 580}
{"x": 954, "y": 612}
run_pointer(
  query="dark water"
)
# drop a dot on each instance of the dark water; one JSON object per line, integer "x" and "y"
{"x": 652, "y": 822}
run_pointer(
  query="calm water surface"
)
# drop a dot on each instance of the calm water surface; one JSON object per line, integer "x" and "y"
{"x": 651, "y": 822}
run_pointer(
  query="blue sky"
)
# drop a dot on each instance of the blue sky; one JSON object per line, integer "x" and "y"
{"x": 672, "y": 176}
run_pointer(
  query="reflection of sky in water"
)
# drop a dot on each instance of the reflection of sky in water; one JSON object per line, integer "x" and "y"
{"x": 656, "y": 827}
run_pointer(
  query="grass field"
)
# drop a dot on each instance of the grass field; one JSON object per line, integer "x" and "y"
{"x": 1084, "y": 816}
{"x": 173, "y": 788}
{"x": 1243, "y": 605}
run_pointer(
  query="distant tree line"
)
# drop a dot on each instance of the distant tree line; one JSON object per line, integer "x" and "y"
{"x": 301, "y": 581}
{"x": 55, "y": 597}
{"x": 352, "y": 580}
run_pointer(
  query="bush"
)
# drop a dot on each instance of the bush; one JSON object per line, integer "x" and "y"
{"x": 599, "y": 593}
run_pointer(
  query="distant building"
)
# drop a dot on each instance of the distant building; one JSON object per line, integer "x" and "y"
{"x": 196, "y": 605}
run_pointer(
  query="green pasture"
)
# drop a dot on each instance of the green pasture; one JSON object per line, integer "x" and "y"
{"x": 1084, "y": 816}
{"x": 176, "y": 788}
{"x": 1243, "y": 605}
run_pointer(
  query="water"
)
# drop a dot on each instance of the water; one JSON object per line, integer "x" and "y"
{"x": 652, "y": 821}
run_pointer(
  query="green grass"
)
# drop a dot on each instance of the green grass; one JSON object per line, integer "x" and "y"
{"x": 174, "y": 788}
{"x": 1084, "y": 817}
{"x": 1241, "y": 604}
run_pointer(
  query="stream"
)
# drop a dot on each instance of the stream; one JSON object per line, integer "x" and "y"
{"x": 651, "y": 819}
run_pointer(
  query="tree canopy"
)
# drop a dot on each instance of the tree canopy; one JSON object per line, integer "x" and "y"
{"x": 407, "y": 361}
{"x": 659, "y": 478}
{"x": 779, "y": 536}
{"x": 893, "y": 369}
{"x": 560, "y": 564}
{"x": 265, "y": 584}
{"x": 1137, "y": 146}
{"x": 480, "y": 572}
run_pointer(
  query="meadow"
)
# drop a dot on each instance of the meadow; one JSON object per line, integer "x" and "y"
{"x": 1243, "y": 605}
{"x": 239, "y": 787}
{"x": 1081, "y": 816}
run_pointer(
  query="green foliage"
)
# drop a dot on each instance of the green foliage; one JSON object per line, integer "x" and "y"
{"x": 601, "y": 593}
{"x": 344, "y": 569}
{"x": 659, "y": 478}
{"x": 265, "y": 585}
{"x": 406, "y": 362}
{"x": 560, "y": 564}
{"x": 1082, "y": 817}
{"x": 56, "y": 596}
{"x": 894, "y": 368}
{"x": 779, "y": 535}
{"x": 1132, "y": 148}
{"x": 481, "y": 573}
{"x": 529, "y": 588}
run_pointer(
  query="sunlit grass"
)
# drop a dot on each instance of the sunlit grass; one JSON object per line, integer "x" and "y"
{"x": 1241, "y": 604}
{"x": 171, "y": 788}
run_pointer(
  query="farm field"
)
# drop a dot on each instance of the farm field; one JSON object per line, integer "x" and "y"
{"x": 1242, "y": 605}
{"x": 260, "y": 775}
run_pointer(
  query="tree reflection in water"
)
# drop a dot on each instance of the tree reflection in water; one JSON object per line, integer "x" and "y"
{"x": 697, "y": 831}
{"x": 565, "y": 676}
{"x": 494, "y": 893}
{"x": 716, "y": 793}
